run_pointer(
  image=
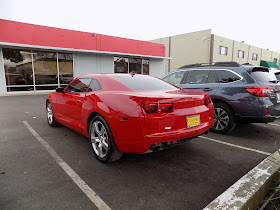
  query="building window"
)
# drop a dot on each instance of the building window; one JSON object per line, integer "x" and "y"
{"x": 129, "y": 65}
{"x": 254, "y": 56}
{"x": 135, "y": 65}
{"x": 27, "y": 70}
{"x": 275, "y": 60}
{"x": 146, "y": 69}
{"x": 120, "y": 65}
{"x": 65, "y": 68}
{"x": 18, "y": 69}
{"x": 223, "y": 50}
{"x": 240, "y": 54}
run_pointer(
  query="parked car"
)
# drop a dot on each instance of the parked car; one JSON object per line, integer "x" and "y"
{"x": 240, "y": 93}
{"x": 276, "y": 72}
{"x": 129, "y": 113}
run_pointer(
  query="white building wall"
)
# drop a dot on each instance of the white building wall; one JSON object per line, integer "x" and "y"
{"x": 157, "y": 67}
{"x": 2, "y": 75}
{"x": 89, "y": 63}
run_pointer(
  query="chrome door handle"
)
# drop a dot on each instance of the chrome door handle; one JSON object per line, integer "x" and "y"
{"x": 207, "y": 89}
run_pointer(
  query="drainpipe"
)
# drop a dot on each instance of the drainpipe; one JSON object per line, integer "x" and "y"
{"x": 169, "y": 53}
{"x": 211, "y": 49}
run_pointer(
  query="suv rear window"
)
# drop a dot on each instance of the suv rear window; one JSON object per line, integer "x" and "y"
{"x": 261, "y": 76}
{"x": 140, "y": 82}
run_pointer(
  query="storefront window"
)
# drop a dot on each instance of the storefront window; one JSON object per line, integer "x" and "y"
{"x": 21, "y": 73}
{"x": 120, "y": 65}
{"x": 135, "y": 65}
{"x": 145, "y": 66}
{"x": 18, "y": 69}
{"x": 45, "y": 68}
{"x": 65, "y": 63}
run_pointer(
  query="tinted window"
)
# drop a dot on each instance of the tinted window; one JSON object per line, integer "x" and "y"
{"x": 139, "y": 82}
{"x": 226, "y": 76}
{"x": 94, "y": 85}
{"x": 212, "y": 78}
{"x": 277, "y": 76}
{"x": 79, "y": 85}
{"x": 263, "y": 76}
{"x": 175, "y": 78}
{"x": 197, "y": 77}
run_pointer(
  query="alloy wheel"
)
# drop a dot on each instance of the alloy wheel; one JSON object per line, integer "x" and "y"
{"x": 221, "y": 119}
{"x": 49, "y": 113}
{"x": 99, "y": 139}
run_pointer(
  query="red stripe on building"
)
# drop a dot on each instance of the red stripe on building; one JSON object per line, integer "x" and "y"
{"x": 30, "y": 34}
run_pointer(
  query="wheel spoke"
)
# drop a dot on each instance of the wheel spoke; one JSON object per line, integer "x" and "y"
{"x": 95, "y": 140}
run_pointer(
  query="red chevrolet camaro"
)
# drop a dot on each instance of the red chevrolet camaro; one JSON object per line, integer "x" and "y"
{"x": 129, "y": 113}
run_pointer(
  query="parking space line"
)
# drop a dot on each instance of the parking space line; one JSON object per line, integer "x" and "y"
{"x": 273, "y": 124}
{"x": 98, "y": 202}
{"x": 234, "y": 145}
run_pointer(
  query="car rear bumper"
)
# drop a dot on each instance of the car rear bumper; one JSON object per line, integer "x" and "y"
{"x": 265, "y": 119}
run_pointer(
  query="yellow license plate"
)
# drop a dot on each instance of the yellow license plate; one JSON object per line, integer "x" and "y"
{"x": 193, "y": 121}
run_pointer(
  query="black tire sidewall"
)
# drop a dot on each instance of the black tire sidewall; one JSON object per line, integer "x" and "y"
{"x": 110, "y": 138}
{"x": 231, "y": 125}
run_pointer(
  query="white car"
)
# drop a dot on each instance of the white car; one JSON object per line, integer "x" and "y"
{"x": 276, "y": 72}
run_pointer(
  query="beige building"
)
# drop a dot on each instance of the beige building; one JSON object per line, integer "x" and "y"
{"x": 205, "y": 47}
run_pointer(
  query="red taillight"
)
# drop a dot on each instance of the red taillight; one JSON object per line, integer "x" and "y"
{"x": 207, "y": 101}
{"x": 260, "y": 91}
{"x": 166, "y": 107}
{"x": 150, "y": 108}
{"x": 266, "y": 111}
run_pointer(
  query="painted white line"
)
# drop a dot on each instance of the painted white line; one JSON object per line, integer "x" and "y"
{"x": 234, "y": 145}
{"x": 71, "y": 173}
{"x": 273, "y": 124}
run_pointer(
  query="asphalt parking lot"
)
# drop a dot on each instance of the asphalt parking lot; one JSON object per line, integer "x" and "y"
{"x": 185, "y": 177}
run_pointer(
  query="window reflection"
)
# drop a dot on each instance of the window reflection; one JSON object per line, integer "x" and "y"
{"x": 145, "y": 66}
{"x": 45, "y": 67}
{"x": 18, "y": 69}
{"x": 135, "y": 65}
{"x": 120, "y": 65}
{"x": 65, "y": 63}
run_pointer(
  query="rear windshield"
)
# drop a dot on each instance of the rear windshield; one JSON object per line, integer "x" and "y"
{"x": 140, "y": 82}
{"x": 264, "y": 76}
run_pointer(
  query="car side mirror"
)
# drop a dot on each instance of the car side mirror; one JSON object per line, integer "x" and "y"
{"x": 59, "y": 90}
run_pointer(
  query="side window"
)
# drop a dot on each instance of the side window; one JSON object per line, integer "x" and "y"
{"x": 175, "y": 78}
{"x": 94, "y": 85}
{"x": 197, "y": 77}
{"x": 78, "y": 85}
{"x": 225, "y": 76}
{"x": 212, "y": 78}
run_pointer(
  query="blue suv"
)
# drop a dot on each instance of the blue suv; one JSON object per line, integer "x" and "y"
{"x": 240, "y": 93}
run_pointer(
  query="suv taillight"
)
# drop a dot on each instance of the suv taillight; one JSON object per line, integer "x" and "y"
{"x": 166, "y": 107}
{"x": 260, "y": 91}
{"x": 150, "y": 108}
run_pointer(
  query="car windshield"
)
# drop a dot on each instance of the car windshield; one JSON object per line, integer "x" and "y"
{"x": 141, "y": 82}
{"x": 264, "y": 77}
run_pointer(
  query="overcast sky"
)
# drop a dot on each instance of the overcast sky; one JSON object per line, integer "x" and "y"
{"x": 256, "y": 22}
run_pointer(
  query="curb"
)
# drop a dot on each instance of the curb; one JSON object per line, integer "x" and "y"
{"x": 250, "y": 191}
{"x": 44, "y": 92}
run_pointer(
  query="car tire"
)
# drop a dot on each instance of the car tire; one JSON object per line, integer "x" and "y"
{"x": 50, "y": 116}
{"x": 224, "y": 121}
{"x": 102, "y": 141}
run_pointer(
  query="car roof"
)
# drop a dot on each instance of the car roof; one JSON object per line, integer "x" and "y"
{"x": 222, "y": 65}
{"x": 109, "y": 75}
